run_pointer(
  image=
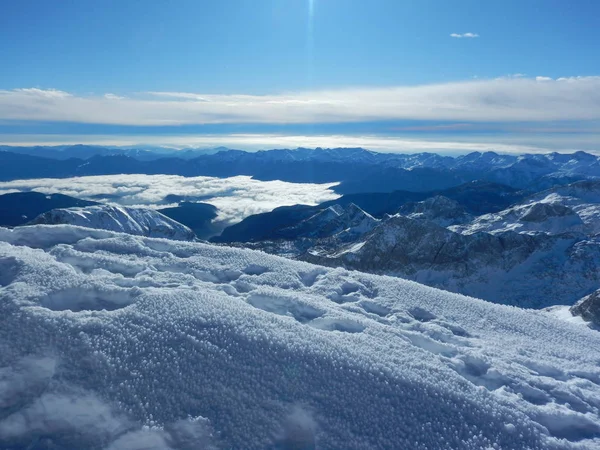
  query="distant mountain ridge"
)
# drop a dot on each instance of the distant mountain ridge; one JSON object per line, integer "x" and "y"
{"x": 358, "y": 170}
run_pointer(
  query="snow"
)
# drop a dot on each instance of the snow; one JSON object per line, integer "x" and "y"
{"x": 354, "y": 247}
{"x": 550, "y": 215}
{"x": 114, "y": 341}
{"x": 562, "y": 312}
{"x": 139, "y": 221}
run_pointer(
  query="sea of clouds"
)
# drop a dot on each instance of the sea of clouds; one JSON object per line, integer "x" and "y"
{"x": 235, "y": 197}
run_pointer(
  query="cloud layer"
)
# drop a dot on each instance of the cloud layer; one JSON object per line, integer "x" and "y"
{"x": 504, "y": 99}
{"x": 235, "y": 197}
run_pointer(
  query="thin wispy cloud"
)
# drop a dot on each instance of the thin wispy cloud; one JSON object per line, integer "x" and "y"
{"x": 382, "y": 143}
{"x": 495, "y": 100}
{"x": 464, "y": 35}
{"x": 43, "y": 93}
{"x": 110, "y": 96}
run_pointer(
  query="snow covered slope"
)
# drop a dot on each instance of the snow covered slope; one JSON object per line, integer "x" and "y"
{"x": 546, "y": 216}
{"x": 113, "y": 341}
{"x": 138, "y": 221}
{"x": 574, "y": 207}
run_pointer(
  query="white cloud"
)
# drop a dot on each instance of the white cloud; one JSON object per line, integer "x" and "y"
{"x": 235, "y": 197}
{"x": 464, "y": 35}
{"x": 506, "y": 99}
{"x": 110, "y": 96}
{"x": 43, "y": 93}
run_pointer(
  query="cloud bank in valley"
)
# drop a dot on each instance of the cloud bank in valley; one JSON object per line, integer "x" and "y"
{"x": 235, "y": 197}
{"x": 500, "y": 100}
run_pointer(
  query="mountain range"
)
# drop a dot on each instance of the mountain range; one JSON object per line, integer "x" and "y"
{"x": 545, "y": 247}
{"x": 120, "y": 329}
{"x": 474, "y": 238}
{"x": 357, "y": 170}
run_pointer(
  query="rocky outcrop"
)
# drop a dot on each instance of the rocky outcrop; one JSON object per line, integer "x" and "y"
{"x": 588, "y": 308}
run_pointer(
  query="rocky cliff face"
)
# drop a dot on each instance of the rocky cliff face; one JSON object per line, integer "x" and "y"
{"x": 547, "y": 216}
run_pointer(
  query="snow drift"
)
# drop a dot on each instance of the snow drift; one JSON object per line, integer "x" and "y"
{"x": 114, "y": 341}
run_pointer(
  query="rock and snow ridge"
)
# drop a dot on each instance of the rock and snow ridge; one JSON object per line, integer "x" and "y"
{"x": 440, "y": 210}
{"x": 547, "y": 248}
{"x": 588, "y": 308}
{"x": 539, "y": 248}
{"x": 137, "y": 221}
{"x": 560, "y": 209}
{"x": 542, "y": 270}
{"x": 344, "y": 223}
{"x": 113, "y": 341}
{"x": 551, "y": 217}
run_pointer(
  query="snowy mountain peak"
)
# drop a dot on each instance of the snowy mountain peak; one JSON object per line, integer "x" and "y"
{"x": 355, "y": 213}
{"x": 542, "y": 269}
{"x": 137, "y": 221}
{"x": 540, "y": 212}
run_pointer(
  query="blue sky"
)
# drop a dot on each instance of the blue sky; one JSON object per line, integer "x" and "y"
{"x": 516, "y": 73}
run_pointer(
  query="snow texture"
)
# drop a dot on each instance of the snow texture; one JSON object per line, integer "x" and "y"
{"x": 113, "y": 341}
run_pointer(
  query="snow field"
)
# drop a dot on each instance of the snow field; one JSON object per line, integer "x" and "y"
{"x": 113, "y": 341}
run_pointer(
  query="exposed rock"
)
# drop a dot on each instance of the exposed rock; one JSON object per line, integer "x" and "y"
{"x": 588, "y": 308}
